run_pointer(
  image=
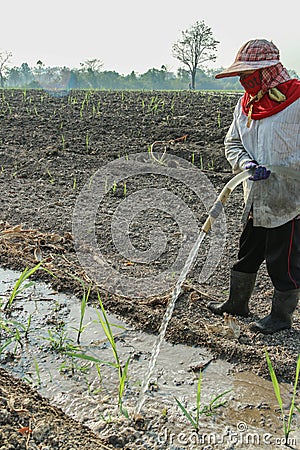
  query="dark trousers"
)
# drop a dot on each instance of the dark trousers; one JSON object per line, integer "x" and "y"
{"x": 279, "y": 247}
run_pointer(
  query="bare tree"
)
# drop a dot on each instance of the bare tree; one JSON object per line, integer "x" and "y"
{"x": 92, "y": 65}
{"x": 4, "y": 61}
{"x": 91, "y": 69}
{"x": 196, "y": 46}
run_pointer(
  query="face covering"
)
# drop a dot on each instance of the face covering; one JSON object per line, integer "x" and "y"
{"x": 252, "y": 83}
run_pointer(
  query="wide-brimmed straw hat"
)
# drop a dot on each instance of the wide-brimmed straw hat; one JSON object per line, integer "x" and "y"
{"x": 255, "y": 54}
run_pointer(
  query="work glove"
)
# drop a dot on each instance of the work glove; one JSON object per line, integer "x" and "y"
{"x": 259, "y": 172}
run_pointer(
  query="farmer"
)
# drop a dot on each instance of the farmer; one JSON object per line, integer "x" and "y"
{"x": 265, "y": 131}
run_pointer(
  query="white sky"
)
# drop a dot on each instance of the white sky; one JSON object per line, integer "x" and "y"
{"x": 136, "y": 35}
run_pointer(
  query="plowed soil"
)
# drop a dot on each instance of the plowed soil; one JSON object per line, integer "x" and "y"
{"x": 50, "y": 146}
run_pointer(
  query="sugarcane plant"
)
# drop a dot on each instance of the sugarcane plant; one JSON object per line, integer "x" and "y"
{"x": 22, "y": 283}
{"x": 122, "y": 369}
{"x": 207, "y": 410}
{"x": 286, "y": 418}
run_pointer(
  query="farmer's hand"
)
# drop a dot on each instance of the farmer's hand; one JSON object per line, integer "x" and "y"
{"x": 259, "y": 172}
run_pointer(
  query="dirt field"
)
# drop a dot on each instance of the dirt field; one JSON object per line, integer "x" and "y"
{"x": 50, "y": 147}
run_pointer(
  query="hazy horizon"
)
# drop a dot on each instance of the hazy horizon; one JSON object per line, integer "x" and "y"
{"x": 136, "y": 37}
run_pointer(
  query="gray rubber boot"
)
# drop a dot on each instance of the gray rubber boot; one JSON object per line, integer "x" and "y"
{"x": 280, "y": 317}
{"x": 241, "y": 288}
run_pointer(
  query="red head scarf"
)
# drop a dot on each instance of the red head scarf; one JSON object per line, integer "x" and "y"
{"x": 261, "y": 99}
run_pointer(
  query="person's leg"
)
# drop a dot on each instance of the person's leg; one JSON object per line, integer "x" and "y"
{"x": 251, "y": 249}
{"x": 243, "y": 272}
{"x": 283, "y": 255}
{"x": 283, "y": 264}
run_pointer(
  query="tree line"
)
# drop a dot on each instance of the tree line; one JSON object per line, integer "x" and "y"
{"x": 87, "y": 77}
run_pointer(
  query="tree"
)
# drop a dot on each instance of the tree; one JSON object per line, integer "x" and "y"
{"x": 154, "y": 78}
{"x": 91, "y": 68}
{"x": 14, "y": 77}
{"x": 131, "y": 81}
{"x": 183, "y": 75}
{"x": 4, "y": 61}
{"x": 93, "y": 65}
{"x": 196, "y": 46}
{"x": 26, "y": 73}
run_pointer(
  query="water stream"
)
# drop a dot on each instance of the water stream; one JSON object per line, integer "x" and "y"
{"x": 167, "y": 317}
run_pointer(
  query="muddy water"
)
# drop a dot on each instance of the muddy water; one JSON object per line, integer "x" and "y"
{"x": 90, "y": 394}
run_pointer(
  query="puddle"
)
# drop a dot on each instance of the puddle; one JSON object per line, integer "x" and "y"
{"x": 89, "y": 392}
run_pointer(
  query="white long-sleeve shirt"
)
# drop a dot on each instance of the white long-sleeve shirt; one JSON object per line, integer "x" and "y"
{"x": 274, "y": 140}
